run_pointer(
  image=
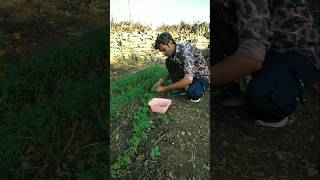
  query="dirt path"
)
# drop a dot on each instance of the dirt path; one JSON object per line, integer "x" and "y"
{"x": 185, "y": 147}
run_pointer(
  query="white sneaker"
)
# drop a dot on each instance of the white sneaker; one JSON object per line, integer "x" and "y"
{"x": 196, "y": 100}
{"x": 281, "y": 123}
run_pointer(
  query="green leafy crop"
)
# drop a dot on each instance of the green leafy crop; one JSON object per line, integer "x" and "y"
{"x": 155, "y": 153}
{"x": 47, "y": 94}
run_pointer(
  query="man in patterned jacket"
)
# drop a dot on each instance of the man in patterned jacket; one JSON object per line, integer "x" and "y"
{"x": 277, "y": 42}
{"x": 187, "y": 68}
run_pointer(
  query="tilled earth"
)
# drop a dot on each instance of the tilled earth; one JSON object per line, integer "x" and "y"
{"x": 242, "y": 150}
{"x": 184, "y": 144}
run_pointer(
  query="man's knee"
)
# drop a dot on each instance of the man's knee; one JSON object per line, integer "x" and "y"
{"x": 197, "y": 89}
{"x": 194, "y": 92}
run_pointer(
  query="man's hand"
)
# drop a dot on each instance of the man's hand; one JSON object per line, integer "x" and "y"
{"x": 159, "y": 82}
{"x": 157, "y": 85}
{"x": 177, "y": 85}
{"x": 161, "y": 89}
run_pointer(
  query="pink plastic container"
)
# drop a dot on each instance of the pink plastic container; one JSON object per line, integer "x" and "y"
{"x": 159, "y": 105}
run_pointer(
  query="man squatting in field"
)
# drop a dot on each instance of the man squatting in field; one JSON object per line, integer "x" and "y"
{"x": 187, "y": 68}
{"x": 275, "y": 41}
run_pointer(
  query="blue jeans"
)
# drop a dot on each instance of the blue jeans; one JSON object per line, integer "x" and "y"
{"x": 273, "y": 91}
{"x": 198, "y": 86}
{"x": 197, "y": 89}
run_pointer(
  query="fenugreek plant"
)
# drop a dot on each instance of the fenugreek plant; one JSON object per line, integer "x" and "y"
{"x": 130, "y": 88}
{"x": 141, "y": 124}
{"x": 46, "y": 95}
{"x": 138, "y": 88}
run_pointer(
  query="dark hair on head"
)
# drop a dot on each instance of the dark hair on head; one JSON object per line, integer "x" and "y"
{"x": 163, "y": 38}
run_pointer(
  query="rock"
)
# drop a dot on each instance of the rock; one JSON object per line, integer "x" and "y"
{"x": 207, "y": 167}
{"x": 311, "y": 138}
{"x": 290, "y": 156}
{"x": 310, "y": 171}
{"x": 279, "y": 155}
{"x": 25, "y": 166}
{"x": 249, "y": 138}
{"x": 224, "y": 160}
{"x": 2, "y": 52}
{"x": 234, "y": 155}
{"x": 171, "y": 175}
{"x": 260, "y": 174}
{"x": 64, "y": 166}
{"x": 237, "y": 146}
{"x": 311, "y": 165}
{"x": 194, "y": 166}
{"x": 225, "y": 144}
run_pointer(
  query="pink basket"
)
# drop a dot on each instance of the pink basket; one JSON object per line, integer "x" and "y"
{"x": 159, "y": 105}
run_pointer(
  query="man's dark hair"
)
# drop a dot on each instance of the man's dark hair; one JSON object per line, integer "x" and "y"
{"x": 163, "y": 38}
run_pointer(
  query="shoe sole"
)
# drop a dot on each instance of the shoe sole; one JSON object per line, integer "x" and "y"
{"x": 281, "y": 123}
{"x": 195, "y": 100}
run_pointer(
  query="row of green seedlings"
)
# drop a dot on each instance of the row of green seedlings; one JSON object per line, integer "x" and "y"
{"x": 133, "y": 86}
{"x": 46, "y": 94}
{"x": 46, "y": 72}
{"x": 122, "y": 85}
{"x": 141, "y": 122}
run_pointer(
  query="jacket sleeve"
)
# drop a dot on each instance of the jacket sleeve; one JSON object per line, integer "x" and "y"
{"x": 253, "y": 28}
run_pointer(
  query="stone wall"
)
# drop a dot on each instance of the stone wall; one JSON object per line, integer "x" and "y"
{"x": 138, "y": 46}
{"x": 25, "y": 11}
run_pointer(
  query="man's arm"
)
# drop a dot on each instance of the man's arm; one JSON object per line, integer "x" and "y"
{"x": 233, "y": 68}
{"x": 177, "y": 85}
{"x": 253, "y": 29}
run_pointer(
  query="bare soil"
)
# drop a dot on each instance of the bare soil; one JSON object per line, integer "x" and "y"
{"x": 242, "y": 150}
{"x": 184, "y": 143}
